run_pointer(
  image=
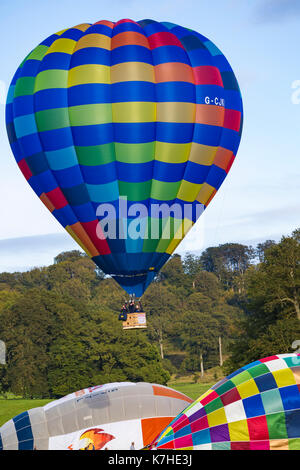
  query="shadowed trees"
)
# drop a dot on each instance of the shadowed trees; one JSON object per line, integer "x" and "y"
{"x": 61, "y": 329}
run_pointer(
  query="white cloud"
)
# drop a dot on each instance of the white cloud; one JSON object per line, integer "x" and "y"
{"x": 276, "y": 10}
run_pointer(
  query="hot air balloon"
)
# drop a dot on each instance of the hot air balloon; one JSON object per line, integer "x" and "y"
{"x": 125, "y": 131}
{"x": 111, "y": 416}
{"x": 254, "y": 408}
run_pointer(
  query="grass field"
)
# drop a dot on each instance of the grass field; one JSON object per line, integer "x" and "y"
{"x": 191, "y": 390}
{"x": 13, "y": 406}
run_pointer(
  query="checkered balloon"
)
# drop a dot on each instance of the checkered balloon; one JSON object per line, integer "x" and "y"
{"x": 254, "y": 408}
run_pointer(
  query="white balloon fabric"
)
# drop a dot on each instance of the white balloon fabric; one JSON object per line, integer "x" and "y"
{"x": 115, "y": 416}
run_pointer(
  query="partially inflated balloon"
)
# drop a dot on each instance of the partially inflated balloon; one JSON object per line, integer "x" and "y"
{"x": 108, "y": 416}
{"x": 255, "y": 408}
{"x": 110, "y": 121}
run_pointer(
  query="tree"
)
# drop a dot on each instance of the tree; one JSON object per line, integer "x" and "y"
{"x": 160, "y": 305}
{"x": 274, "y": 286}
{"x": 25, "y": 328}
{"x": 262, "y": 248}
{"x": 73, "y": 255}
{"x": 207, "y": 283}
{"x": 200, "y": 339}
{"x": 76, "y": 255}
{"x": 278, "y": 338}
{"x": 71, "y": 352}
{"x": 192, "y": 266}
{"x": 272, "y": 305}
{"x": 228, "y": 262}
{"x": 62, "y": 330}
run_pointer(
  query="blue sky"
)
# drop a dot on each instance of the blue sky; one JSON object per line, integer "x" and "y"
{"x": 259, "y": 199}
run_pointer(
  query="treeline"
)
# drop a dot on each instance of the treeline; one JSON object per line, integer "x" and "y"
{"x": 61, "y": 329}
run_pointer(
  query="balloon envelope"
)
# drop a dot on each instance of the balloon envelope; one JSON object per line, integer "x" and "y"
{"x": 110, "y": 122}
{"x": 111, "y": 416}
{"x": 255, "y": 408}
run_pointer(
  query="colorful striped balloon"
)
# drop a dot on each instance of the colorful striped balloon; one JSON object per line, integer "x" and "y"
{"x": 255, "y": 408}
{"x": 128, "y": 112}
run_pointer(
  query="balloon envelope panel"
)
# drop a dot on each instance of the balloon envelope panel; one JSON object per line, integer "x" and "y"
{"x": 255, "y": 408}
{"x": 106, "y": 416}
{"x": 143, "y": 112}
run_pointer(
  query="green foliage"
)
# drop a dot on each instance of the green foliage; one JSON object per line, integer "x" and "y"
{"x": 188, "y": 313}
{"x": 272, "y": 304}
{"x": 71, "y": 256}
{"x": 274, "y": 286}
{"x": 199, "y": 340}
{"x": 192, "y": 264}
{"x": 61, "y": 329}
{"x": 64, "y": 336}
{"x": 229, "y": 263}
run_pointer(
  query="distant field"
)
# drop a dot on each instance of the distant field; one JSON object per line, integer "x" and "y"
{"x": 13, "y": 406}
{"x": 191, "y": 390}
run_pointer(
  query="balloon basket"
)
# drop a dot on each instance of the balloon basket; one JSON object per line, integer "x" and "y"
{"x": 135, "y": 320}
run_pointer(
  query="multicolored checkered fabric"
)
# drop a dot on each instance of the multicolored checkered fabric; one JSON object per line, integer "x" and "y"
{"x": 144, "y": 110}
{"x": 255, "y": 408}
